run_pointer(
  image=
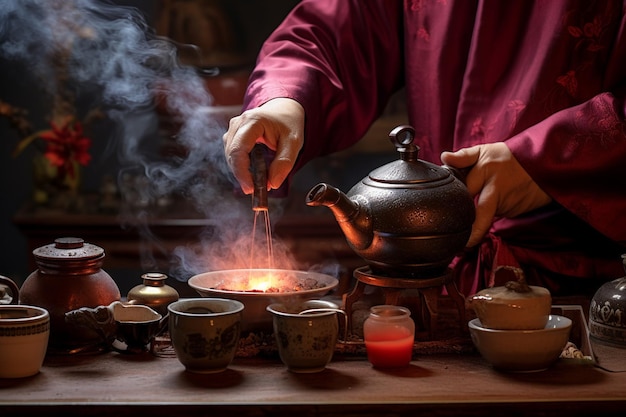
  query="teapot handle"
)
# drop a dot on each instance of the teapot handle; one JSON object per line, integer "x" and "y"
{"x": 15, "y": 291}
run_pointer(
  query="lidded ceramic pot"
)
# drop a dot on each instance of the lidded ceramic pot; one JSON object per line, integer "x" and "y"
{"x": 153, "y": 293}
{"x": 513, "y": 306}
{"x": 607, "y": 312}
{"x": 69, "y": 276}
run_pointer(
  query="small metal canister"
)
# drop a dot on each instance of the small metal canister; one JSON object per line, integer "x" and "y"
{"x": 153, "y": 293}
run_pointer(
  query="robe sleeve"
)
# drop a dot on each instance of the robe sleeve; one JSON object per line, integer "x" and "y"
{"x": 578, "y": 156}
{"x": 341, "y": 60}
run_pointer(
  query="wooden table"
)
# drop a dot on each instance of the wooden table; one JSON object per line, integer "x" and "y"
{"x": 113, "y": 384}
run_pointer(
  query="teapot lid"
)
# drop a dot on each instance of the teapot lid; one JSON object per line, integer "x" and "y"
{"x": 69, "y": 248}
{"x": 408, "y": 169}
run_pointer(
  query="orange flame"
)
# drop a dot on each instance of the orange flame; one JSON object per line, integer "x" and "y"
{"x": 256, "y": 282}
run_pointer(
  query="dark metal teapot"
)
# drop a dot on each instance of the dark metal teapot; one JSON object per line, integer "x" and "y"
{"x": 407, "y": 217}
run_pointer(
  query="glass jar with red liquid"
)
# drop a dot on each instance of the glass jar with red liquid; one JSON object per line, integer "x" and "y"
{"x": 389, "y": 333}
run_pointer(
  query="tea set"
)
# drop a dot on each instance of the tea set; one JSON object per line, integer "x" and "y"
{"x": 514, "y": 329}
{"x": 394, "y": 219}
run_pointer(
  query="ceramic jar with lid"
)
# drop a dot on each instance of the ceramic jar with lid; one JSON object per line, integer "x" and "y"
{"x": 389, "y": 333}
{"x": 513, "y": 306}
{"x": 69, "y": 276}
{"x": 153, "y": 293}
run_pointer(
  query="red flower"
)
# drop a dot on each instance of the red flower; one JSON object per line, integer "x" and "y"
{"x": 66, "y": 146}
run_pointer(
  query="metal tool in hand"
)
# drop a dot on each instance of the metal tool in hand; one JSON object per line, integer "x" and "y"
{"x": 258, "y": 167}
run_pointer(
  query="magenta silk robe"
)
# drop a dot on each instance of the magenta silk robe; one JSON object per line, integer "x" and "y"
{"x": 546, "y": 77}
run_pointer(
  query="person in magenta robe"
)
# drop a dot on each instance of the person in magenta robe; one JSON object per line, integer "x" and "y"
{"x": 528, "y": 94}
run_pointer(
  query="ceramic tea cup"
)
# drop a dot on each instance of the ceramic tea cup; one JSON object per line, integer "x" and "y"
{"x": 306, "y": 333}
{"x": 24, "y": 334}
{"x": 205, "y": 332}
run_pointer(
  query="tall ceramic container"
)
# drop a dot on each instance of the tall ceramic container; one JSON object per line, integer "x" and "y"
{"x": 69, "y": 276}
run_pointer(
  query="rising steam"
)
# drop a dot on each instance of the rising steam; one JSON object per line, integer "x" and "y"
{"x": 114, "y": 55}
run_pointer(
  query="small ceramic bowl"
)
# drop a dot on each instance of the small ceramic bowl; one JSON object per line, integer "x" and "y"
{"x": 522, "y": 350}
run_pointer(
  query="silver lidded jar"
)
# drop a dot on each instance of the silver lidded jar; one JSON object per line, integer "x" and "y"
{"x": 69, "y": 276}
{"x": 153, "y": 293}
{"x": 607, "y": 312}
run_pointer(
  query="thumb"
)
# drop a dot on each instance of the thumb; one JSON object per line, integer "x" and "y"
{"x": 486, "y": 206}
{"x": 462, "y": 158}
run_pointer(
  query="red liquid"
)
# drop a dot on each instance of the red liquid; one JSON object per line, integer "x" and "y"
{"x": 391, "y": 348}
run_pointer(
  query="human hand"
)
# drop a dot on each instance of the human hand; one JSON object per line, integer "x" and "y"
{"x": 503, "y": 187}
{"x": 279, "y": 124}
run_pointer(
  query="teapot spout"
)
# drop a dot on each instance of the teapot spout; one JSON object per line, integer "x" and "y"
{"x": 353, "y": 218}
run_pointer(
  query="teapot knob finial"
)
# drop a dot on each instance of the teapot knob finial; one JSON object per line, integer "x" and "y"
{"x": 68, "y": 243}
{"x": 402, "y": 137}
